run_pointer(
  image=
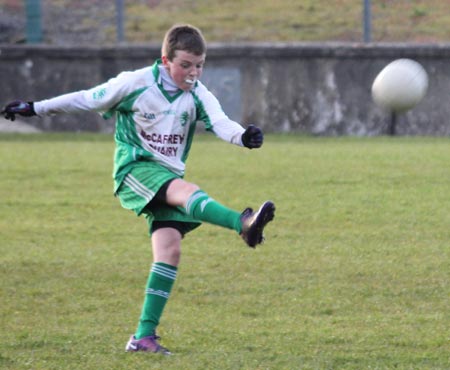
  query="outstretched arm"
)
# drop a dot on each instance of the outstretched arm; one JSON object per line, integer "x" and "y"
{"x": 97, "y": 99}
{"x": 212, "y": 114}
{"x": 68, "y": 103}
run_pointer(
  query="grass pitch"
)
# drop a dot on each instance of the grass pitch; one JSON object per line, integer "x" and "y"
{"x": 354, "y": 273}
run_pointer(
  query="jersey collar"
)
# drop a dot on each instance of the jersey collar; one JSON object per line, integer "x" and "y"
{"x": 159, "y": 81}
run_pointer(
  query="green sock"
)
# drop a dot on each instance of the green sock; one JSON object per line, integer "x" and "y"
{"x": 203, "y": 208}
{"x": 159, "y": 285}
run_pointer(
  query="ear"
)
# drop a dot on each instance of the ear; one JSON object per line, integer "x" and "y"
{"x": 165, "y": 60}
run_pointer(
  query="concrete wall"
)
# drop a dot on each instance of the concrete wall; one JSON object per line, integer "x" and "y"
{"x": 320, "y": 89}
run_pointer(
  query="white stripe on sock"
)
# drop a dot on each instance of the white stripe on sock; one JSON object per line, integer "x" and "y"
{"x": 159, "y": 293}
{"x": 192, "y": 199}
{"x": 164, "y": 271}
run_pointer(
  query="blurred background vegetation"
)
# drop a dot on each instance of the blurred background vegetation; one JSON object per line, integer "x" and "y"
{"x": 77, "y": 22}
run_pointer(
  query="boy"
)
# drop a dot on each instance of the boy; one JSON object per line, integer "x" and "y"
{"x": 156, "y": 109}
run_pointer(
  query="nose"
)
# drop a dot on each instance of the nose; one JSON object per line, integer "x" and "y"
{"x": 193, "y": 72}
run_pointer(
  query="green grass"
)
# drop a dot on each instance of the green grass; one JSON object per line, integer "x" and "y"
{"x": 354, "y": 273}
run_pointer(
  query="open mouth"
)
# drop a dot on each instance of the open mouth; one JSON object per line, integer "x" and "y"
{"x": 189, "y": 81}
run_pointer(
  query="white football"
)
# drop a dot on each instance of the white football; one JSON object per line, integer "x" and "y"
{"x": 400, "y": 85}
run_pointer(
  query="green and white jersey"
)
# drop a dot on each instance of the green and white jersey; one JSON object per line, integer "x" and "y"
{"x": 151, "y": 124}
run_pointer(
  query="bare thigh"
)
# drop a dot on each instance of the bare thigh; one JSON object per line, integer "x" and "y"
{"x": 179, "y": 191}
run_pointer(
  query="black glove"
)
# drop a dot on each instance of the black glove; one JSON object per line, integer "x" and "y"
{"x": 252, "y": 137}
{"x": 18, "y": 107}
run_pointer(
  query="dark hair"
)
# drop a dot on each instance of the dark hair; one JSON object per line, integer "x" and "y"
{"x": 183, "y": 37}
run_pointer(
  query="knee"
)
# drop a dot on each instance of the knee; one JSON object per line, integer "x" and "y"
{"x": 179, "y": 192}
{"x": 174, "y": 252}
{"x": 189, "y": 188}
{"x": 167, "y": 246}
{"x": 170, "y": 254}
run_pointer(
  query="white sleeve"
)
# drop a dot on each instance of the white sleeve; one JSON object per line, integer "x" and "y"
{"x": 68, "y": 103}
{"x": 229, "y": 130}
{"x": 97, "y": 99}
{"x": 216, "y": 119}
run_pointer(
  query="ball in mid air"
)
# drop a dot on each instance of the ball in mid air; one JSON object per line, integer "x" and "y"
{"x": 400, "y": 85}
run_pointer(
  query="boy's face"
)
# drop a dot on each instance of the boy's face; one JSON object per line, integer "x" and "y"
{"x": 185, "y": 68}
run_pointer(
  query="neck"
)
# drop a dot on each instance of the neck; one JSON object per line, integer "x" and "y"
{"x": 167, "y": 81}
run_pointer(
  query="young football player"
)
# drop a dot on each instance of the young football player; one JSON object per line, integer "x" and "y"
{"x": 156, "y": 109}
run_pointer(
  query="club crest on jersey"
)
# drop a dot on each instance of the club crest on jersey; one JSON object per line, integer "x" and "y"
{"x": 184, "y": 119}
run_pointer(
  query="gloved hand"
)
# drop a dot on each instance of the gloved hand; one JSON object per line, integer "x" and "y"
{"x": 252, "y": 137}
{"x": 18, "y": 107}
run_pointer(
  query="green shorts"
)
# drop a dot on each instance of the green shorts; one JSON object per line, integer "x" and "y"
{"x": 139, "y": 188}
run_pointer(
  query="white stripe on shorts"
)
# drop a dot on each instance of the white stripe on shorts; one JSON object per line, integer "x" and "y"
{"x": 138, "y": 187}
